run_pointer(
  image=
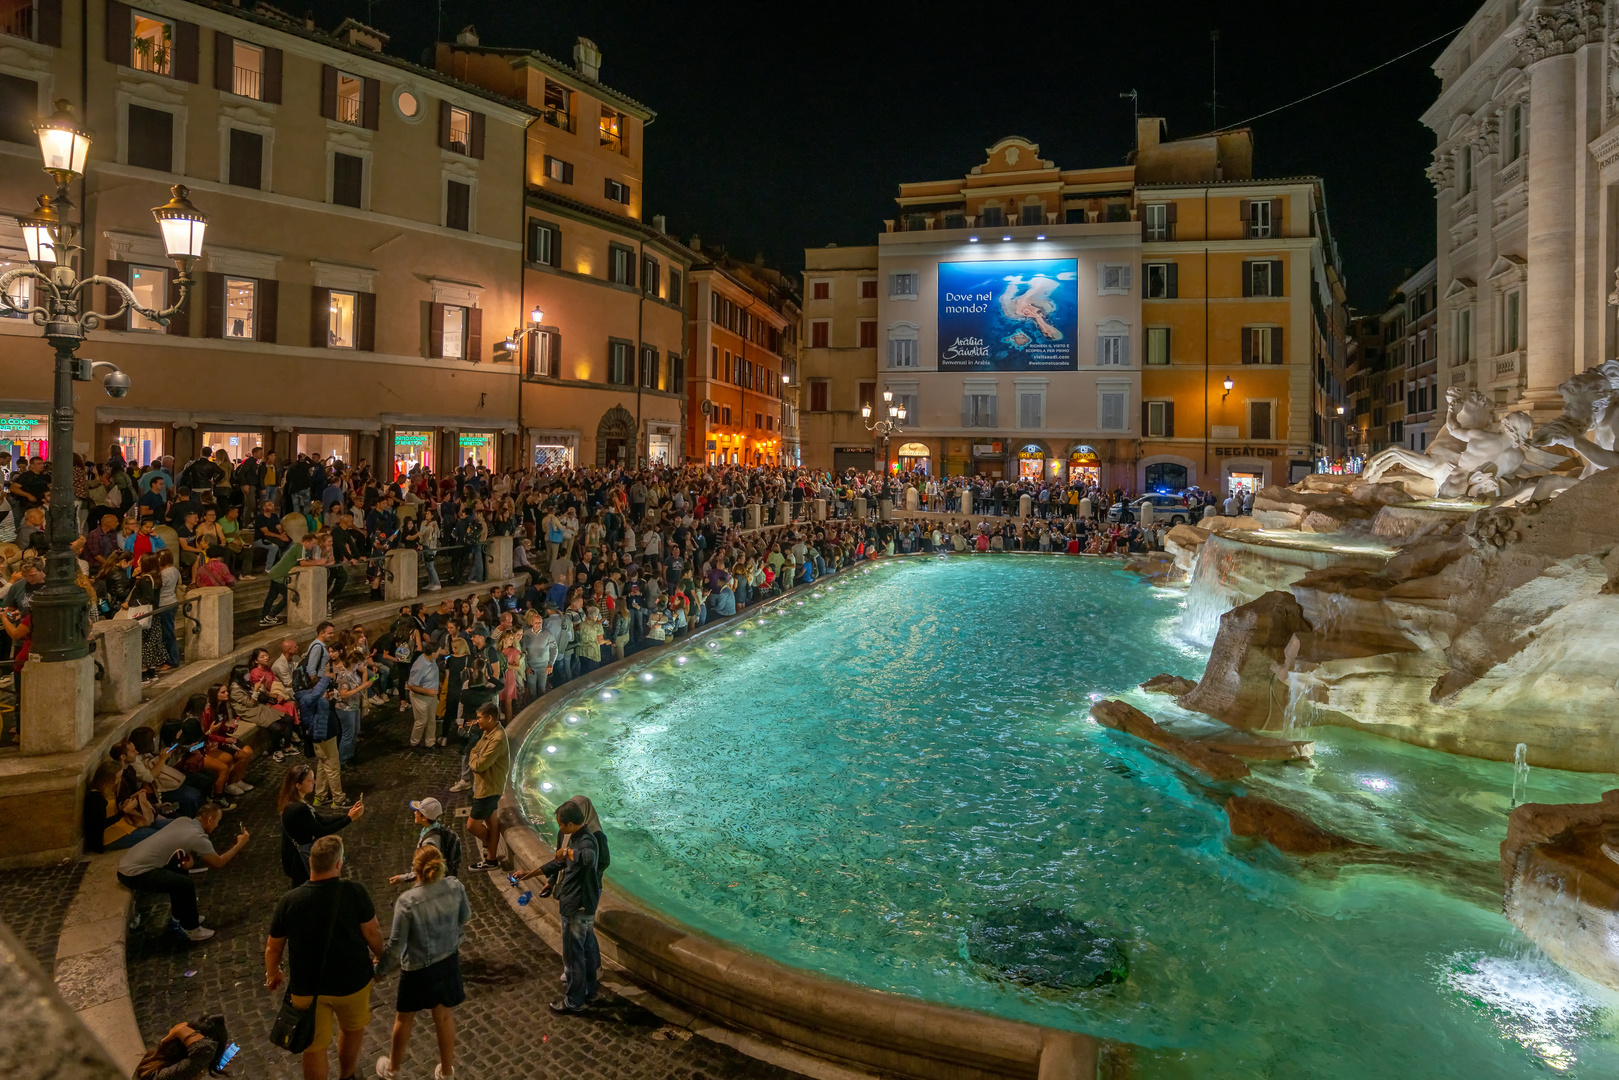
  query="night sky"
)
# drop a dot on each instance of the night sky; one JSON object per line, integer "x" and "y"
{"x": 785, "y": 126}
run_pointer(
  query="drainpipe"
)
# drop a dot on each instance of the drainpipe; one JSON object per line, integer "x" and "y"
{"x": 522, "y": 290}
{"x": 1205, "y": 335}
{"x": 640, "y": 324}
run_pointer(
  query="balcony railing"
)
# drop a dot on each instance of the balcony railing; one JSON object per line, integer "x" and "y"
{"x": 248, "y": 83}
{"x": 349, "y": 109}
{"x": 612, "y": 139}
{"x": 559, "y": 118}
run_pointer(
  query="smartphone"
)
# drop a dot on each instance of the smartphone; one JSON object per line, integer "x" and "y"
{"x": 513, "y": 879}
{"x": 198, "y": 746}
{"x": 230, "y": 1051}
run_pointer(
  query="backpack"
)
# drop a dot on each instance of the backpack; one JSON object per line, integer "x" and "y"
{"x": 301, "y": 679}
{"x": 449, "y": 845}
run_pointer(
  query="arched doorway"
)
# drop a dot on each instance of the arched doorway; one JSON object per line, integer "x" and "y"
{"x": 914, "y": 455}
{"x": 1084, "y": 467}
{"x": 1031, "y": 462}
{"x": 1166, "y": 476}
{"x": 615, "y": 438}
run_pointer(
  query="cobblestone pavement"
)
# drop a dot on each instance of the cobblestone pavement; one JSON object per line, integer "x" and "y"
{"x": 505, "y": 1029}
{"x": 34, "y": 902}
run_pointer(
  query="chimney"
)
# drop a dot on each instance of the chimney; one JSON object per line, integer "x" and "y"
{"x": 587, "y": 58}
{"x": 1148, "y": 129}
{"x": 358, "y": 34}
{"x": 696, "y": 242}
{"x": 658, "y": 223}
{"x": 468, "y": 36}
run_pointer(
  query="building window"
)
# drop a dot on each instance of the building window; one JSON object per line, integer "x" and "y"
{"x": 247, "y": 76}
{"x": 820, "y": 290}
{"x": 725, "y": 417}
{"x": 1259, "y": 420}
{"x": 821, "y": 334}
{"x": 618, "y": 362}
{"x": 455, "y": 333}
{"x": 907, "y": 401}
{"x": 649, "y": 368}
{"x": 246, "y": 159}
{"x": 1156, "y": 222}
{"x": 819, "y": 394}
{"x": 1166, "y": 476}
{"x": 617, "y": 192}
{"x": 1163, "y": 281}
{"x": 675, "y": 296}
{"x": 978, "y": 410}
{"x": 1464, "y": 169}
{"x": 955, "y": 219}
{"x": 620, "y": 265}
{"x": 868, "y": 286}
{"x": 1160, "y": 420}
{"x": 1157, "y": 344}
{"x": 1113, "y": 344}
{"x": 1464, "y": 337}
{"x": 19, "y": 103}
{"x": 152, "y": 47}
{"x": 348, "y": 179}
{"x": 651, "y": 279}
{"x": 1514, "y": 140}
{"x": 457, "y": 205}
{"x": 407, "y": 104}
{"x": 1033, "y": 215}
{"x": 612, "y": 129}
{"x": 340, "y": 327}
{"x": 1510, "y": 337}
{"x": 990, "y": 216}
{"x": 151, "y": 138}
{"x": 1260, "y": 212}
{"x": 1113, "y": 279}
{"x": 868, "y": 333}
{"x": 1262, "y": 277}
{"x": 558, "y": 106}
{"x": 460, "y": 123}
{"x": 902, "y": 348}
{"x": 241, "y": 299}
{"x": 151, "y": 288}
{"x": 1112, "y": 410}
{"x": 558, "y": 170}
{"x": 902, "y": 285}
{"x": 1262, "y": 345}
{"x": 544, "y": 244}
{"x": 21, "y": 293}
{"x": 542, "y": 357}
{"x": 916, "y": 222}
{"x": 1031, "y": 410}
{"x": 350, "y": 99}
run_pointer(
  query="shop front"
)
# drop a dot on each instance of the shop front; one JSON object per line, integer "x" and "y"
{"x": 24, "y": 437}
{"x": 989, "y": 459}
{"x": 326, "y": 445}
{"x": 476, "y": 448}
{"x": 862, "y": 459}
{"x": 1084, "y": 467}
{"x": 915, "y": 457}
{"x": 1031, "y": 462}
{"x": 237, "y": 444}
{"x": 551, "y": 452}
{"x": 1168, "y": 477}
{"x": 660, "y": 444}
{"x": 412, "y": 450}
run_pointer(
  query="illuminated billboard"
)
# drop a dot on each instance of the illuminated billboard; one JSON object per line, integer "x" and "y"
{"x": 1017, "y": 315}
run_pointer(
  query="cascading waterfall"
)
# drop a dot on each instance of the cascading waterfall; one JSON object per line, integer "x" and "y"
{"x": 1520, "y": 772}
{"x": 1300, "y": 709}
{"x": 1206, "y": 596}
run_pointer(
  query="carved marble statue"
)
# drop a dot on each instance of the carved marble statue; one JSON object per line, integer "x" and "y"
{"x": 1589, "y": 424}
{"x": 1472, "y": 456}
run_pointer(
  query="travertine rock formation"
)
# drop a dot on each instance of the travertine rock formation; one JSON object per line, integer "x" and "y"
{"x": 1132, "y": 721}
{"x": 1240, "y": 684}
{"x": 1561, "y": 889}
{"x": 1287, "y": 830}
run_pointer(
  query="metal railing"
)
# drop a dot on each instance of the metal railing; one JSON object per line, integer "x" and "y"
{"x": 248, "y": 83}
{"x": 350, "y": 109}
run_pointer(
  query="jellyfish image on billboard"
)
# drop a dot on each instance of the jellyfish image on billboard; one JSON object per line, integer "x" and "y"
{"x": 1019, "y": 315}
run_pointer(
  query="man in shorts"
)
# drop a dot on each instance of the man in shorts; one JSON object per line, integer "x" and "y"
{"x": 327, "y": 908}
{"x": 490, "y": 761}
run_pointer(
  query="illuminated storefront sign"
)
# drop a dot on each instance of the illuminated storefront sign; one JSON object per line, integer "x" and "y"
{"x": 1019, "y": 315}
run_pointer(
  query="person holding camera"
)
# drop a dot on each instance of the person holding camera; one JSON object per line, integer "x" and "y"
{"x": 189, "y": 1051}
{"x": 163, "y": 861}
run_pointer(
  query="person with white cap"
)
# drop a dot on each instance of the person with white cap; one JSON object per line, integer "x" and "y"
{"x": 427, "y": 814}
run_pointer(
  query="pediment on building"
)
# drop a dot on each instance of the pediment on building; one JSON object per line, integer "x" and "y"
{"x": 1012, "y": 154}
{"x": 1461, "y": 287}
{"x": 1504, "y": 265}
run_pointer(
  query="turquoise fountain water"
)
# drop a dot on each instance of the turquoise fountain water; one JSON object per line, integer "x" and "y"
{"x": 852, "y": 779}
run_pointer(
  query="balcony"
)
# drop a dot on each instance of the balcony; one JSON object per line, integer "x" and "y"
{"x": 559, "y": 118}
{"x": 248, "y": 83}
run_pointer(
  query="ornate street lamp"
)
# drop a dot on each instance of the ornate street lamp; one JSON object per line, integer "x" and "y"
{"x": 886, "y": 428}
{"x": 59, "y": 303}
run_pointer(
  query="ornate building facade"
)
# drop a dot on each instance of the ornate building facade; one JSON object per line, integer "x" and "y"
{"x": 1526, "y": 174}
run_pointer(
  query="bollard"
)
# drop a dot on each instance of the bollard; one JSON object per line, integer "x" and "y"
{"x": 214, "y": 607}
{"x": 57, "y": 705}
{"x": 497, "y": 557}
{"x": 306, "y": 596}
{"x": 753, "y": 516}
{"x": 967, "y": 501}
{"x": 885, "y": 509}
{"x": 818, "y": 509}
{"x": 860, "y": 509}
{"x": 118, "y": 650}
{"x": 1025, "y": 505}
{"x": 402, "y": 584}
{"x": 913, "y": 498}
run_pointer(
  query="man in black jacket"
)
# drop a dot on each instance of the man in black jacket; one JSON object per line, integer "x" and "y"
{"x": 578, "y": 891}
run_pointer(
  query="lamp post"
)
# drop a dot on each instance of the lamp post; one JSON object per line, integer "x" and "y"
{"x": 59, "y": 302}
{"x": 885, "y": 428}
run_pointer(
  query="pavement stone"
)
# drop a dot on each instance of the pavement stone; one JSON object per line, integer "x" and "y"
{"x": 33, "y": 902}
{"x": 504, "y": 1028}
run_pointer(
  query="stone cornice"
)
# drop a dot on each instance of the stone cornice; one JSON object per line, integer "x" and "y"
{"x": 1557, "y": 31}
{"x": 1605, "y": 147}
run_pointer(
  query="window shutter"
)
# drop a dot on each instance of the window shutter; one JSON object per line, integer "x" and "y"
{"x": 120, "y": 34}
{"x": 1247, "y": 344}
{"x": 443, "y": 125}
{"x": 224, "y": 62}
{"x": 1124, "y": 277}
{"x": 1276, "y": 344}
{"x": 368, "y": 322}
{"x": 49, "y": 31}
{"x": 118, "y": 271}
{"x": 1242, "y": 209}
{"x": 328, "y": 91}
{"x": 477, "y": 135}
{"x": 1169, "y": 212}
{"x": 1124, "y": 349}
{"x": 320, "y": 317}
{"x": 1247, "y": 279}
{"x": 1173, "y": 277}
{"x": 214, "y": 326}
{"x": 435, "y": 331}
{"x": 1277, "y": 285}
{"x": 567, "y": 172}
{"x": 1169, "y": 419}
{"x": 474, "y": 343}
{"x": 186, "y": 47}
{"x": 1146, "y": 418}
{"x": 180, "y": 321}
{"x": 371, "y": 105}
{"x": 269, "y": 303}
{"x": 272, "y": 75}
{"x": 966, "y": 409}
{"x": 1276, "y": 218}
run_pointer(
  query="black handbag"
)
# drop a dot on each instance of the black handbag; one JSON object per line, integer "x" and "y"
{"x": 294, "y": 1028}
